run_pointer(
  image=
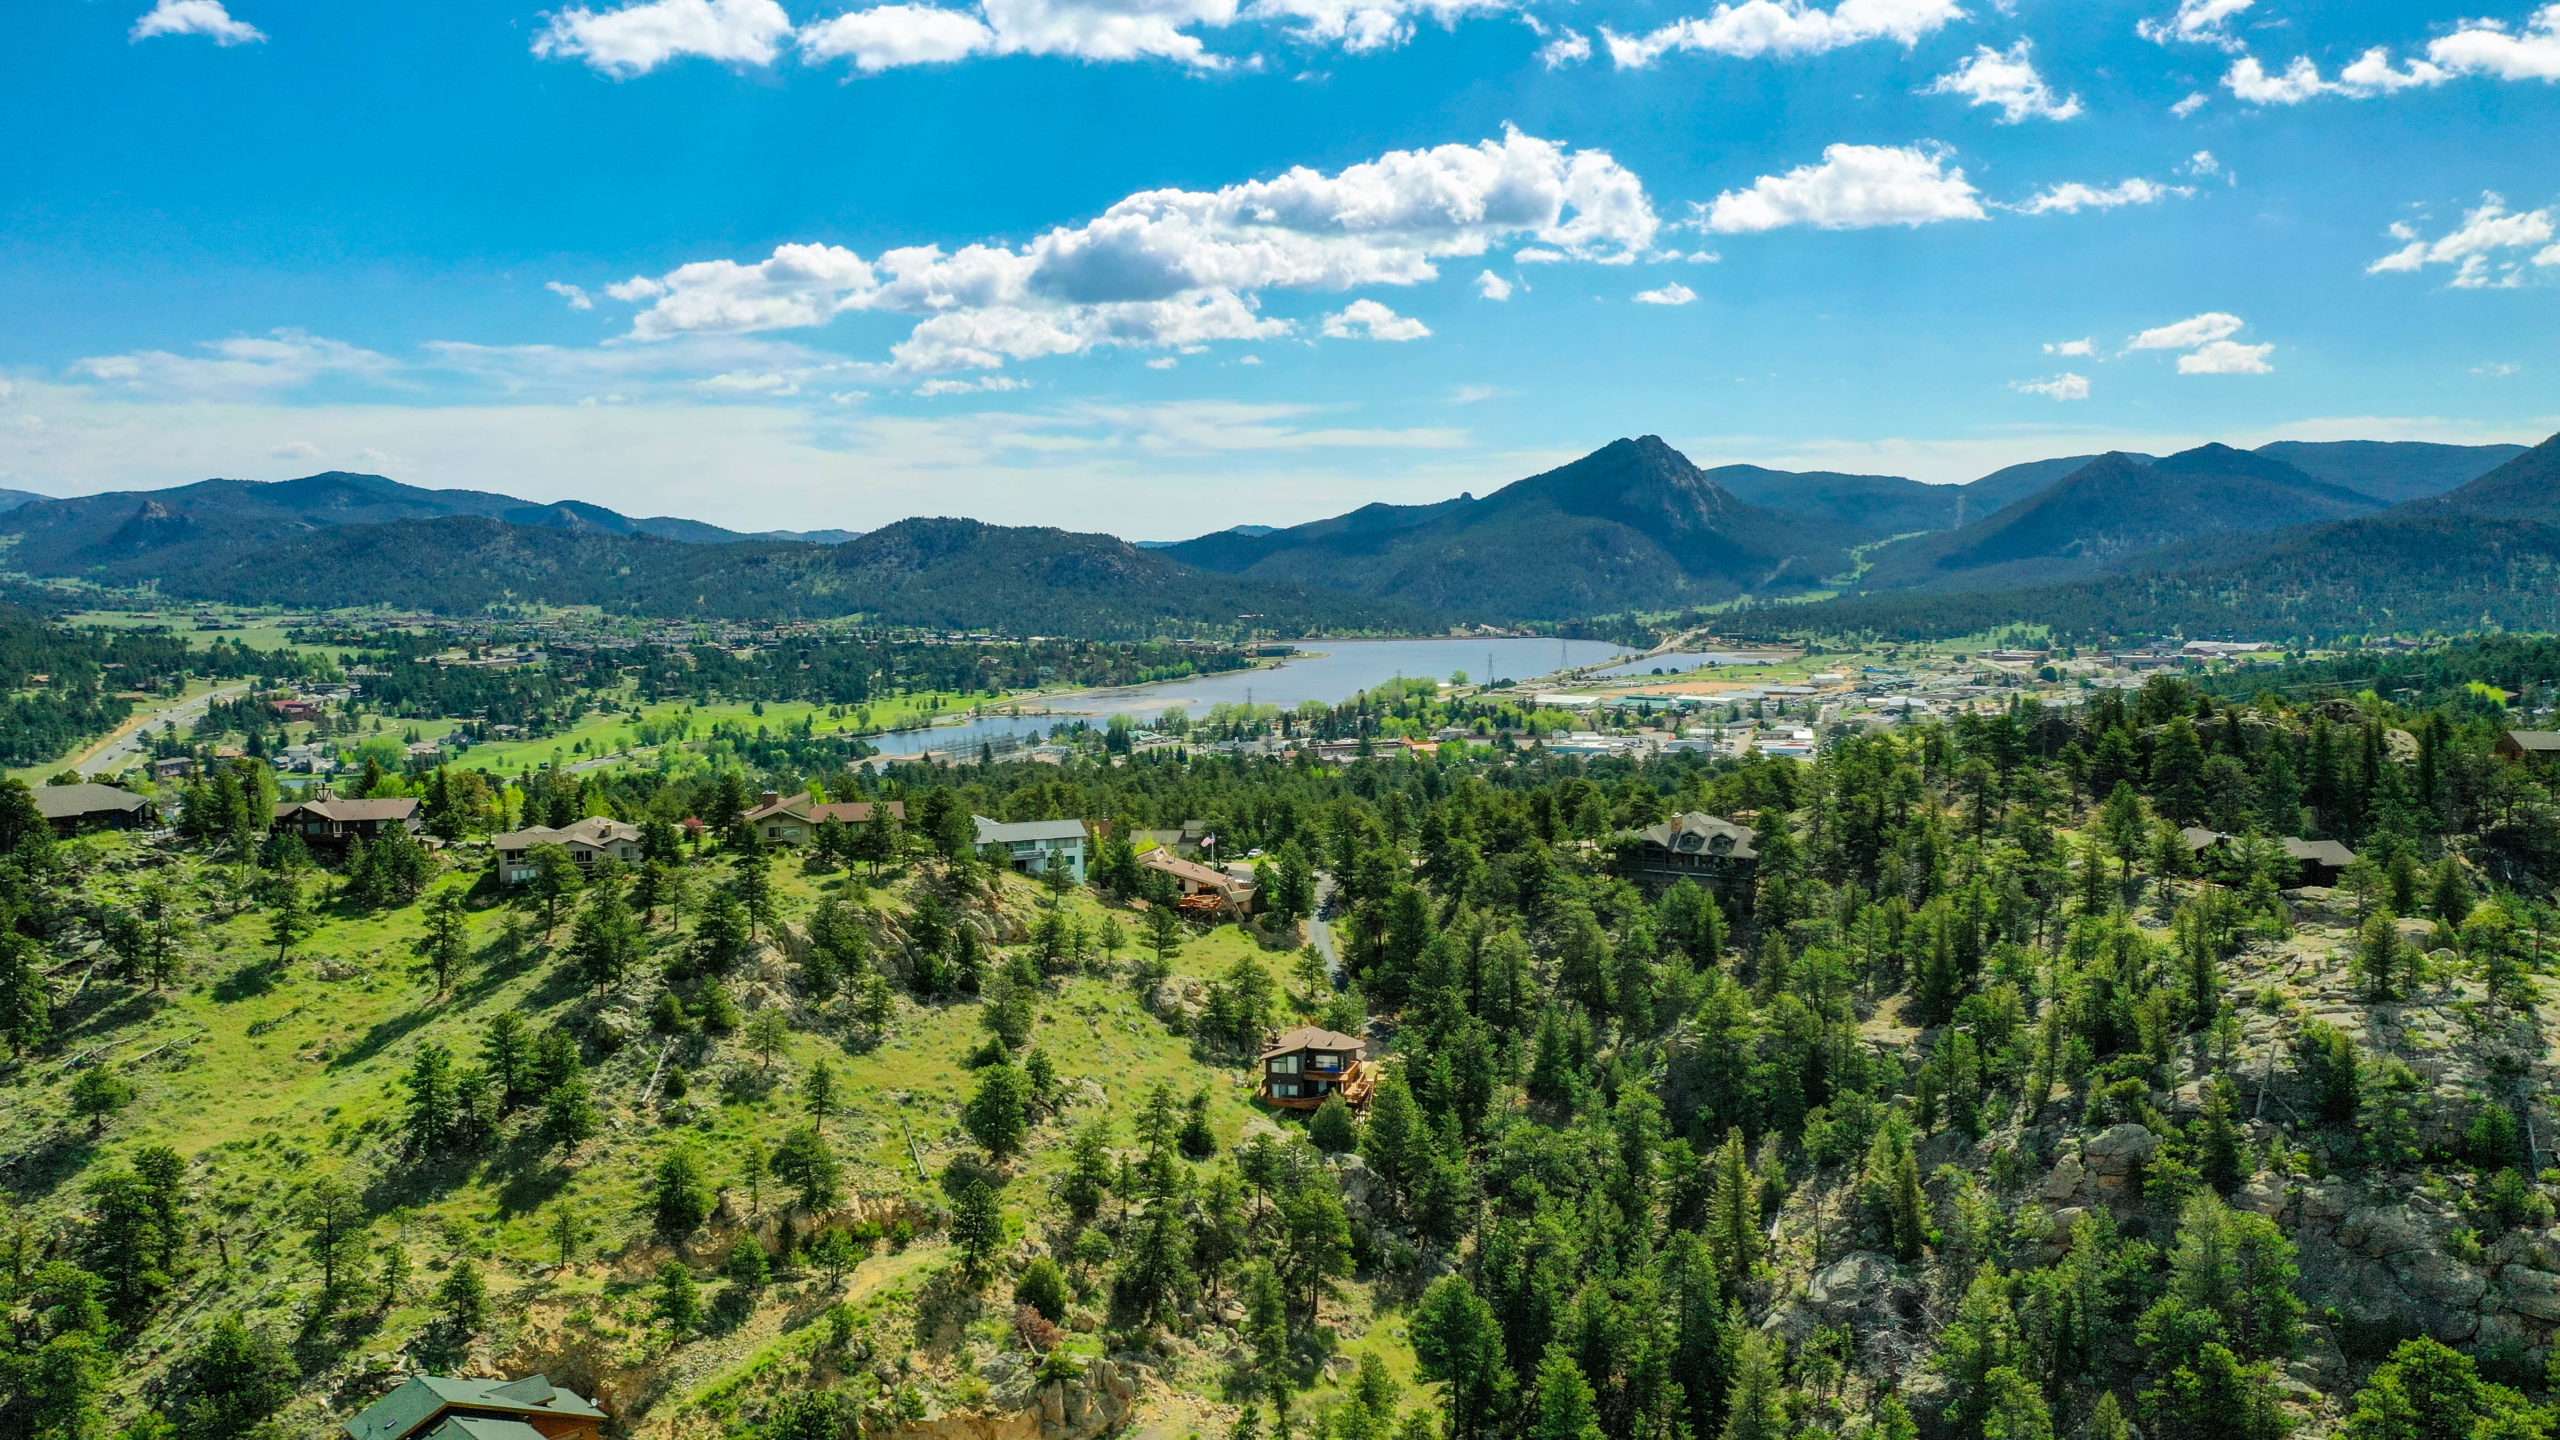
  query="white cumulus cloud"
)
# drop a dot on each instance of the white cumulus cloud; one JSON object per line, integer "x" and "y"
{"x": 2480, "y": 250}
{"x": 1854, "y": 187}
{"x": 2065, "y": 386}
{"x": 1569, "y": 47}
{"x": 207, "y": 18}
{"x": 1752, "y": 29}
{"x": 2198, "y": 22}
{"x": 2007, "y": 79}
{"x": 2072, "y": 197}
{"x": 576, "y": 295}
{"x": 2187, "y": 334}
{"x": 1674, "y": 293}
{"x": 1167, "y": 267}
{"x": 1366, "y": 319}
{"x": 2530, "y": 51}
{"x": 1492, "y": 286}
{"x": 2081, "y": 346}
{"x": 640, "y": 37}
{"x": 2209, "y": 346}
{"x": 2227, "y": 357}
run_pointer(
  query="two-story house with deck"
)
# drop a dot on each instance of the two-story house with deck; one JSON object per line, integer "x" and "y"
{"x": 1303, "y": 1066}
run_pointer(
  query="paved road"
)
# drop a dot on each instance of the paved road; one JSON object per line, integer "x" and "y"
{"x": 1320, "y": 928}
{"x": 131, "y": 742}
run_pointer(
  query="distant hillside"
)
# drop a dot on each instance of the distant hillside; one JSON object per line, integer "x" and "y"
{"x": 1366, "y": 528}
{"x": 2484, "y": 555}
{"x": 187, "y": 524}
{"x": 2115, "y": 512}
{"x": 1633, "y": 525}
{"x": 1240, "y": 532}
{"x": 949, "y": 574}
{"x": 2391, "y": 471}
{"x": 1854, "y": 508}
{"x": 2002, "y": 488}
{"x": 12, "y": 499}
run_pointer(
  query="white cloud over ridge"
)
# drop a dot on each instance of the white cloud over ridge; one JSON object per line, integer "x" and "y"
{"x": 2481, "y": 250}
{"x": 1853, "y": 187}
{"x": 1166, "y": 267}
{"x": 1674, "y": 293}
{"x": 241, "y": 365}
{"x": 2209, "y": 347}
{"x": 2066, "y": 386}
{"x": 2007, "y": 79}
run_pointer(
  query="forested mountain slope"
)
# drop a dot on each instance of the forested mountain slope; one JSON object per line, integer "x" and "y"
{"x": 1984, "y": 1107}
{"x": 1633, "y": 525}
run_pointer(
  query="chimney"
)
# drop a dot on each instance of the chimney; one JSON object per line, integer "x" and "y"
{"x": 771, "y": 798}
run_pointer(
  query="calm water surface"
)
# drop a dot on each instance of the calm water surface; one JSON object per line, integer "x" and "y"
{"x": 1338, "y": 670}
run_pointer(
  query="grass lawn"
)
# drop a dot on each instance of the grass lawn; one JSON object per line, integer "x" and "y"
{"x": 615, "y": 731}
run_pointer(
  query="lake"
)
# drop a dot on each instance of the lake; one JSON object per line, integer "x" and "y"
{"x": 1327, "y": 671}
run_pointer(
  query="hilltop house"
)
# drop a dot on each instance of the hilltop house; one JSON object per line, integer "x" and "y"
{"x": 778, "y": 819}
{"x": 2315, "y": 862}
{"x": 1203, "y": 890}
{"x": 1715, "y": 852}
{"x": 588, "y": 841}
{"x": 1030, "y": 847}
{"x": 326, "y": 822}
{"x": 1303, "y": 1066}
{"x": 437, "y": 1407}
{"x": 71, "y": 809}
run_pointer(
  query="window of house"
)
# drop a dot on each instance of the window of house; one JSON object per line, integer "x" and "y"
{"x": 1285, "y": 1065}
{"x": 1287, "y": 1089}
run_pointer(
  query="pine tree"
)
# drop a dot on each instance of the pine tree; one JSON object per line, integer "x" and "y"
{"x": 1733, "y": 1214}
{"x": 446, "y": 940}
{"x": 977, "y": 1226}
{"x": 2218, "y": 1140}
{"x": 1755, "y": 1408}
{"x": 1565, "y": 1408}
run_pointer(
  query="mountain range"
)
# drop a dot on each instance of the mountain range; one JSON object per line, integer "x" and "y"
{"x": 1631, "y": 528}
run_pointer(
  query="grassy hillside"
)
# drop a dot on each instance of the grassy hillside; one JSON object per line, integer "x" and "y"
{"x": 265, "y": 1075}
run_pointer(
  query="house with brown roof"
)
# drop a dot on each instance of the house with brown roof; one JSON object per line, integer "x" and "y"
{"x": 589, "y": 842}
{"x": 1301, "y": 1067}
{"x": 71, "y": 809}
{"x": 439, "y": 1407}
{"x": 1202, "y": 889}
{"x": 2540, "y": 746}
{"x": 327, "y": 822}
{"x": 778, "y": 819}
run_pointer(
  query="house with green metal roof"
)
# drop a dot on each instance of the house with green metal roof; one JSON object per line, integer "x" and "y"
{"x": 443, "y": 1407}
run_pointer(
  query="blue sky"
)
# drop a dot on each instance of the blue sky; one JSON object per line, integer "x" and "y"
{"x": 1159, "y": 266}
